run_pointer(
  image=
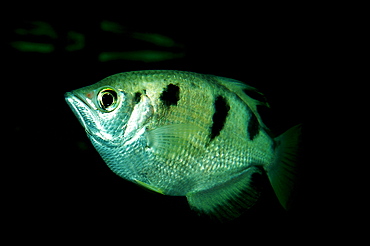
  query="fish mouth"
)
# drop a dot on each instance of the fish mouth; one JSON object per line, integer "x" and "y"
{"x": 82, "y": 110}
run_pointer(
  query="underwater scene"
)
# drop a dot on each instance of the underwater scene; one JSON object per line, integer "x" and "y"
{"x": 59, "y": 179}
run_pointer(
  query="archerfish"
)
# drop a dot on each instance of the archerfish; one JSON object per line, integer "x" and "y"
{"x": 188, "y": 134}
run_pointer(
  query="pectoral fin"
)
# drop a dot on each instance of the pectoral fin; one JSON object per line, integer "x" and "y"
{"x": 172, "y": 139}
{"x": 229, "y": 199}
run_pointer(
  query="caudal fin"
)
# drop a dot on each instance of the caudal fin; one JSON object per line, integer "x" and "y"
{"x": 283, "y": 172}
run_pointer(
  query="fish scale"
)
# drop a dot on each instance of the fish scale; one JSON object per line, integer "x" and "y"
{"x": 187, "y": 134}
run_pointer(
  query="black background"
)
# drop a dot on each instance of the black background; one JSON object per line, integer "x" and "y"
{"x": 57, "y": 184}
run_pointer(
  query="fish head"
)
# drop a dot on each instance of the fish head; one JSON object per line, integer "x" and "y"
{"x": 104, "y": 110}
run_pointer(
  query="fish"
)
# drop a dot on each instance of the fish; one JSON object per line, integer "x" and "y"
{"x": 187, "y": 134}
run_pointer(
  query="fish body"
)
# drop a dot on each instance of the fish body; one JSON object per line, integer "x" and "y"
{"x": 187, "y": 134}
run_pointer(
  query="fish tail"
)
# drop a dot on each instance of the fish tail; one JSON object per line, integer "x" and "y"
{"x": 283, "y": 172}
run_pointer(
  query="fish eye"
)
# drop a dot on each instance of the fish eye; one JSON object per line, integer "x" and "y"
{"x": 107, "y": 99}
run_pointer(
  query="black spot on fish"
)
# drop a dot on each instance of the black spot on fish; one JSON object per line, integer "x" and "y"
{"x": 253, "y": 127}
{"x": 219, "y": 117}
{"x": 275, "y": 145}
{"x": 266, "y": 115}
{"x": 170, "y": 95}
{"x": 137, "y": 97}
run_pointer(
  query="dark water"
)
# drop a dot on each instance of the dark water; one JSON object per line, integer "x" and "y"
{"x": 58, "y": 185}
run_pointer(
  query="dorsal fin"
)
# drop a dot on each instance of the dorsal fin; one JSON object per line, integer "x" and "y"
{"x": 229, "y": 199}
{"x": 240, "y": 89}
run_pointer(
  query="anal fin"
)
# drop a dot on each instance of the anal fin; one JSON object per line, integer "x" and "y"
{"x": 229, "y": 199}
